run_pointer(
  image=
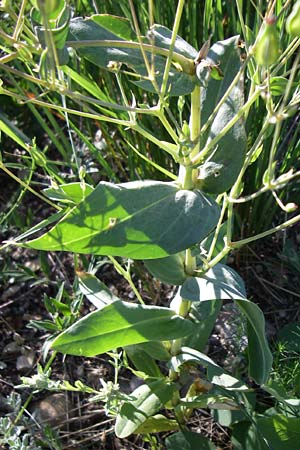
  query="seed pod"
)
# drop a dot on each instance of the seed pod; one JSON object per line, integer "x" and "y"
{"x": 293, "y": 21}
{"x": 267, "y": 47}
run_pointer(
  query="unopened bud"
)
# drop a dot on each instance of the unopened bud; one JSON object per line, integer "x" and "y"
{"x": 267, "y": 47}
{"x": 290, "y": 207}
{"x": 293, "y": 21}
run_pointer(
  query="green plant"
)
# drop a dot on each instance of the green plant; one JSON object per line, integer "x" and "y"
{"x": 18, "y": 432}
{"x": 183, "y": 228}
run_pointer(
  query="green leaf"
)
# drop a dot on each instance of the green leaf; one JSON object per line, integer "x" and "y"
{"x": 227, "y": 417}
{"x": 221, "y": 283}
{"x": 157, "y": 424}
{"x": 69, "y": 193}
{"x": 225, "y": 160}
{"x": 203, "y": 315}
{"x": 162, "y": 37}
{"x": 281, "y": 432}
{"x": 120, "y": 26}
{"x": 138, "y": 220}
{"x": 259, "y": 354}
{"x": 120, "y": 324}
{"x": 246, "y": 436}
{"x": 215, "y": 373}
{"x": 147, "y": 400}
{"x": 106, "y": 28}
{"x": 93, "y": 29}
{"x": 188, "y": 441}
{"x": 156, "y": 349}
{"x": 142, "y": 361}
{"x": 169, "y": 270}
{"x": 94, "y": 290}
{"x": 210, "y": 401}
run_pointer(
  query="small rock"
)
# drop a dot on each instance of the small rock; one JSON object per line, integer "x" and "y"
{"x": 11, "y": 348}
{"x": 3, "y": 365}
{"x": 53, "y": 409}
{"x": 26, "y": 361}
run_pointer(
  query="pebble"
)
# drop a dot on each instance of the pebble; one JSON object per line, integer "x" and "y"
{"x": 25, "y": 362}
{"x": 53, "y": 409}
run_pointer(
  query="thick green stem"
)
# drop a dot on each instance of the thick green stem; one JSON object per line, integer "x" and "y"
{"x": 195, "y": 119}
{"x": 186, "y": 178}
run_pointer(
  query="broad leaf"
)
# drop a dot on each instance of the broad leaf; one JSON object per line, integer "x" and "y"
{"x": 215, "y": 373}
{"x": 156, "y": 349}
{"x": 138, "y": 220}
{"x": 147, "y": 400}
{"x": 204, "y": 315}
{"x": 142, "y": 361}
{"x": 259, "y": 354}
{"x": 188, "y": 441}
{"x": 162, "y": 37}
{"x": 104, "y": 28}
{"x": 221, "y": 283}
{"x": 120, "y": 324}
{"x": 94, "y": 290}
{"x": 281, "y": 432}
{"x": 169, "y": 270}
{"x": 225, "y": 160}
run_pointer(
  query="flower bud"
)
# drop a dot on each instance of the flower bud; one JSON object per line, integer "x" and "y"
{"x": 293, "y": 21}
{"x": 291, "y": 207}
{"x": 267, "y": 47}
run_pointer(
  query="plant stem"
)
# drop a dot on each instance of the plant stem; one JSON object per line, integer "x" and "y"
{"x": 218, "y": 228}
{"x": 180, "y": 6}
{"x": 195, "y": 119}
{"x": 203, "y": 153}
{"x": 186, "y": 172}
{"x": 287, "y": 223}
{"x": 126, "y": 274}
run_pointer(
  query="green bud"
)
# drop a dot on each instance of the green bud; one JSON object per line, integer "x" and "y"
{"x": 82, "y": 172}
{"x": 293, "y": 21}
{"x": 290, "y": 207}
{"x": 267, "y": 48}
{"x": 186, "y": 130}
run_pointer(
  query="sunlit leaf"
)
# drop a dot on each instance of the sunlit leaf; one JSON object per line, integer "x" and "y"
{"x": 94, "y": 290}
{"x": 281, "y": 432}
{"x": 221, "y": 283}
{"x": 146, "y": 401}
{"x": 120, "y": 324}
{"x": 138, "y": 220}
